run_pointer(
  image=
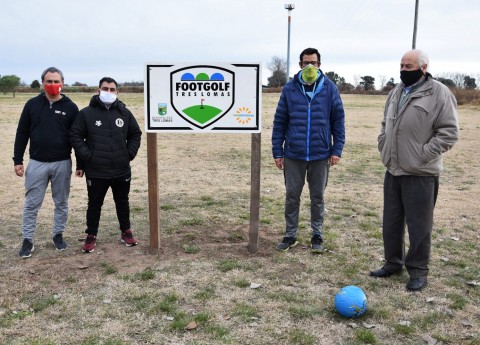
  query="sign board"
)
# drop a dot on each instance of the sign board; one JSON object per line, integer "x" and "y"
{"x": 203, "y": 97}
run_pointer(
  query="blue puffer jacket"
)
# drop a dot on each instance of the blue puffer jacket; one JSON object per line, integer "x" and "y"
{"x": 309, "y": 130}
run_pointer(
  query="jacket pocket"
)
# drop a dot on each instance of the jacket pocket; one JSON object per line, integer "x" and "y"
{"x": 411, "y": 158}
{"x": 294, "y": 148}
{"x": 385, "y": 155}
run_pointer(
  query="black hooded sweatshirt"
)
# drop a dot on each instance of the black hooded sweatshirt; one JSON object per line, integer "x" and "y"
{"x": 47, "y": 127}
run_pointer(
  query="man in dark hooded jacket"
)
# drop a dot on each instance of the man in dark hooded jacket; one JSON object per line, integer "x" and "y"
{"x": 106, "y": 137}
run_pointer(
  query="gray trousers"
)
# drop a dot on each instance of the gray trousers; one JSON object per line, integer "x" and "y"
{"x": 37, "y": 176}
{"x": 408, "y": 201}
{"x": 317, "y": 178}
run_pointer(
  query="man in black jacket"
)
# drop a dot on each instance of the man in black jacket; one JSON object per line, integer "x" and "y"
{"x": 45, "y": 122}
{"x": 106, "y": 137}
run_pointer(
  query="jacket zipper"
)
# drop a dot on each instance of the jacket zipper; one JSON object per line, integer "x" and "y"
{"x": 308, "y": 133}
{"x": 314, "y": 93}
{"x": 302, "y": 90}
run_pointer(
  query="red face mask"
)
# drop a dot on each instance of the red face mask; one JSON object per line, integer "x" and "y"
{"x": 53, "y": 89}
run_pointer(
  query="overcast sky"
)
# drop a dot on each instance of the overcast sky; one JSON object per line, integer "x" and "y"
{"x": 90, "y": 39}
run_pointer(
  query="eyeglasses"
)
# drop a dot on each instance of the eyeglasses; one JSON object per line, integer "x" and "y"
{"x": 306, "y": 63}
{"x": 111, "y": 89}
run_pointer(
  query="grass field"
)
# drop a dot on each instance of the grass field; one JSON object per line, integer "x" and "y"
{"x": 197, "y": 290}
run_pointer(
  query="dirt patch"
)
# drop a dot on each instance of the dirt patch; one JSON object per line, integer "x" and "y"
{"x": 48, "y": 264}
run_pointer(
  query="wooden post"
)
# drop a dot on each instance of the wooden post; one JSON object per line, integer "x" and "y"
{"x": 255, "y": 193}
{"x": 153, "y": 191}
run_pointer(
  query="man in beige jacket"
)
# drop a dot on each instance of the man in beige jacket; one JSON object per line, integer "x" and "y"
{"x": 419, "y": 125}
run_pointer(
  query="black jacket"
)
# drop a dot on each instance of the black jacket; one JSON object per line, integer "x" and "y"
{"x": 105, "y": 139}
{"x": 47, "y": 127}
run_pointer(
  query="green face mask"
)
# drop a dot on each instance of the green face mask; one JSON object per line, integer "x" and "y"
{"x": 309, "y": 74}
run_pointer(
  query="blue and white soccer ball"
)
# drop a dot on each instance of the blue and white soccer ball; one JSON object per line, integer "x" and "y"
{"x": 351, "y": 302}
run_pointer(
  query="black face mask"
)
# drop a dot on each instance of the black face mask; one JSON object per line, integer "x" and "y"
{"x": 410, "y": 77}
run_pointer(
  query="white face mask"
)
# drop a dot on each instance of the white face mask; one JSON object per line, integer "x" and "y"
{"x": 107, "y": 97}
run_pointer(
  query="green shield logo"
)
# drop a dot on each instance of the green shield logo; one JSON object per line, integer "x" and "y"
{"x": 202, "y": 94}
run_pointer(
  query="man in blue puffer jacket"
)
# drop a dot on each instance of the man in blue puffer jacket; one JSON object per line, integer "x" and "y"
{"x": 308, "y": 136}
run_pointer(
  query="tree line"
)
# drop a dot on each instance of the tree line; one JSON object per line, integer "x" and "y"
{"x": 278, "y": 67}
{"x": 11, "y": 83}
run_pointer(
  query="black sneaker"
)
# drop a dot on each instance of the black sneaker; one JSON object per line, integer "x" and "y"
{"x": 286, "y": 244}
{"x": 317, "y": 245}
{"x": 27, "y": 248}
{"x": 59, "y": 243}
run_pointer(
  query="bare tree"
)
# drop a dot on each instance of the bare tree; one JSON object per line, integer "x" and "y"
{"x": 356, "y": 80}
{"x": 278, "y": 67}
{"x": 457, "y": 78}
{"x": 383, "y": 80}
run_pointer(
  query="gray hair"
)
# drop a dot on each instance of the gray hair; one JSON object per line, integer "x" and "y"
{"x": 422, "y": 58}
{"x": 52, "y": 70}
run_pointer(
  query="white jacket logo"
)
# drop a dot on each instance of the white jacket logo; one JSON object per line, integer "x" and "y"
{"x": 98, "y": 123}
{"x": 119, "y": 122}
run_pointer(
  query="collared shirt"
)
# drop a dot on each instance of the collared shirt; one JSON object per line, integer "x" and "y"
{"x": 408, "y": 90}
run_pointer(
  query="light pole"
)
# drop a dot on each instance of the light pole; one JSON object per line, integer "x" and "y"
{"x": 288, "y": 7}
{"x": 414, "y": 41}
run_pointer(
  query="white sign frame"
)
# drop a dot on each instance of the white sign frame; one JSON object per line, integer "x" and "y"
{"x": 203, "y": 97}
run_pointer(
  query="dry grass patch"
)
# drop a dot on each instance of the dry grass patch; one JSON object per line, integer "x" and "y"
{"x": 203, "y": 271}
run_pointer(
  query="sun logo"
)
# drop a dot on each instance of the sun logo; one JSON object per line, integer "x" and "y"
{"x": 243, "y": 115}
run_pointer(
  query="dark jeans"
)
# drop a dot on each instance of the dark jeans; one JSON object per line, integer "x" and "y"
{"x": 97, "y": 189}
{"x": 408, "y": 200}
